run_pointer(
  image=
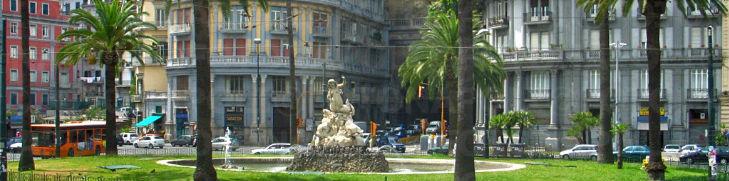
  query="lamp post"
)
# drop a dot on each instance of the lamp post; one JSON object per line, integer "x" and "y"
{"x": 257, "y": 41}
{"x": 710, "y": 91}
{"x": 617, "y": 45}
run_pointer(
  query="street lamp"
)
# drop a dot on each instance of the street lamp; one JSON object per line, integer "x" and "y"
{"x": 710, "y": 91}
{"x": 617, "y": 45}
{"x": 257, "y": 41}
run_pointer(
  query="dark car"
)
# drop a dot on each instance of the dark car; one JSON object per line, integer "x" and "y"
{"x": 184, "y": 140}
{"x": 722, "y": 155}
{"x": 119, "y": 140}
{"x": 634, "y": 153}
{"x": 393, "y": 145}
{"x": 438, "y": 150}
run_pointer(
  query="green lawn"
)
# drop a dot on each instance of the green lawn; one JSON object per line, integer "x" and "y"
{"x": 150, "y": 170}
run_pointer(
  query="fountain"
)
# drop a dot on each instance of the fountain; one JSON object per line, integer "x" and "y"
{"x": 227, "y": 164}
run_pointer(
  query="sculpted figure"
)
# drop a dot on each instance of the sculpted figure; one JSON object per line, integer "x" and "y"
{"x": 334, "y": 95}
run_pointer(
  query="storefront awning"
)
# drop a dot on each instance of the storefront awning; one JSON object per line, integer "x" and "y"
{"x": 148, "y": 120}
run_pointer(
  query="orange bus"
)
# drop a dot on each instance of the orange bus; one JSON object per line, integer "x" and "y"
{"x": 77, "y": 139}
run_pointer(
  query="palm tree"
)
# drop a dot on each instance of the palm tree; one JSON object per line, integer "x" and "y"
{"x": 26, "y": 156}
{"x": 583, "y": 122}
{"x": 432, "y": 60}
{"x": 605, "y": 148}
{"x": 498, "y": 122}
{"x": 652, "y": 10}
{"x": 523, "y": 119}
{"x": 112, "y": 31}
{"x": 620, "y": 129}
{"x": 464, "y": 169}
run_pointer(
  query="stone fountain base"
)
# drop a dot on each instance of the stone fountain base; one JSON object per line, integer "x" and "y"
{"x": 339, "y": 159}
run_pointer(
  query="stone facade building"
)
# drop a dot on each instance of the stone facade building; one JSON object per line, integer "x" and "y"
{"x": 550, "y": 49}
{"x": 332, "y": 38}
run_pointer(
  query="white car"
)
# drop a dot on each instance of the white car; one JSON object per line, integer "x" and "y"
{"x": 129, "y": 138}
{"x": 220, "y": 142}
{"x": 686, "y": 149}
{"x": 150, "y": 142}
{"x": 16, "y": 147}
{"x": 671, "y": 148}
{"x": 276, "y": 148}
{"x": 580, "y": 151}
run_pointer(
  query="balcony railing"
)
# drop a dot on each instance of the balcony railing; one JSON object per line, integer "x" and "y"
{"x": 181, "y": 94}
{"x": 626, "y": 55}
{"x": 532, "y": 55}
{"x": 280, "y": 96}
{"x": 179, "y": 28}
{"x": 279, "y": 61}
{"x": 497, "y": 22}
{"x": 698, "y": 93}
{"x": 538, "y": 17}
{"x": 235, "y": 95}
{"x": 405, "y": 24}
{"x": 155, "y": 95}
{"x": 696, "y": 14}
{"x": 538, "y": 94}
{"x": 233, "y": 27}
{"x": 643, "y": 94}
{"x": 92, "y": 80}
{"x": 595, "y": 93}
{"x": 320, "y": 31}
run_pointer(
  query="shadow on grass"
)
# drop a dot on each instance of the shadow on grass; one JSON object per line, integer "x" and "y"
{"x": 153, "y": 174}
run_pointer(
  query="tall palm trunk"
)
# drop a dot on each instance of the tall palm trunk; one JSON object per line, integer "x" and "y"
{"x": 26, "y": 156}
{"x": 292, "y": 78}
{"x": 110, "y": 62}
{"x": 521, "y": 130}
{"x": 605, "y": 148}
{"x": 464, "y": 169}
{"x": 204, "y": 169}
{"x": 620, "y": 150}
{"x": 500, "y": 134}
{"x": 452, "y": 96}
{"x": 652, "y": 12}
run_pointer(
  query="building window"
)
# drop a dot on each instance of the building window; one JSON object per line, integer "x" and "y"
{"x": 319, "y": 50}
{"x": 46, "y": 32}
{"x": 539, "y": 41}
{"x": 77, "y": 5}
{"x": 320, "y": 22}
{"x": 45, "y": 99}
{"x": 13, "y": 5}
{"x": 644, "y": 39}
{"x": 278, "y": 18}
{"x": 33, "y": 53}
{"x": 33, "y": 76}
{"x": 279, "y": 48}
{"x": 32, "y": 8}
{"x": 44, "y": 9}
{"x": 279, "y": 86}
{"x": 45, "y": 55}
{"x": 13, "y": 75}
{"x": 63, "y": 80}
{"x": 13, "y": 98}
{"x": 14, "y": 28}
{"x": 13, "y": 51}
{"x": 32, "y": 98}
{"x": 234, "y": 47}
{"x": 235, "y": 84}
{"x": 162, "y": 48}
{"x": 594, "y": 39}
{"x": 182, "y": 83}
{"x": 539, "y": 85}
{"x": 33, "y": 30}
{"x": 45, "y": 77}
{"x": 237, "y": 20}
{"x": 160, "y": 17}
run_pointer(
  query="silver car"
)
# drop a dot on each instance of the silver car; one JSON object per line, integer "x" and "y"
{"x": 276, "y": 148}
{"x": 580, "y": 151}
{"x": 150, "y": 142}
{"x": 220, "y": 142}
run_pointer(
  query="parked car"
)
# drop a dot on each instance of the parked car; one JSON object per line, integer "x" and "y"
{"x": 438, "y": 150}
{"x": 119, "y": 140}
{"x": 686, "y": 149}
{"x": 433, "y": 127}
{"x": 276, "y": 148}
{"x": 150, "y": 142}
{"x": 634, "y": 153}
{"x": 183, "y": 140}
{"x": 722, "y": 155}
{"x": 671, "y": 148}
{"x": 393, "y": 146}
{"x": 129, "y": 138}
{"x": 220, "y": 142}
{"x": 580, "y": 151}
{"x": 16, "y": 147}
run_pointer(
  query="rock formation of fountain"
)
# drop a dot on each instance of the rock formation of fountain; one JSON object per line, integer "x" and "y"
{"x": 337, "y": 145}
{"x": 227, "y": 164}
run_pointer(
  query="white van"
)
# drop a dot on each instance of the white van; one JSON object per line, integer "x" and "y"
{"x": 129, "y": 138}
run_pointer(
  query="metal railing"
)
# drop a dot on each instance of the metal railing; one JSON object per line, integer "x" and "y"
{"x": 233, "y": 27}
{"x": 538, "y": 94}
{"x": 537, "y": 17}
{"x": 595, "y": 93}
{"x": 280, "y": 61}
{"x": 626, "y": 55}
{"x": 403, "y": 24}
{"x": 155, "y": 94}
{"x": 180, "y": 93}
{"x": 497, "y": 22}
{"x": 179, "y": 28}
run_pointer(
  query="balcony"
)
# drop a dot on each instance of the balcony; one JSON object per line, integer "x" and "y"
{"x": 626, "y": 55}
{"x": 279, "y": 27}
{"x": 92, "y": 80}
{"x": 538, "y": 94}
{"x": 696, "y": 14}
{"x": 532, "y": 55}
{"x": 233, "y": 28}
{"x": 590, "y": 17}
{"x": 497, "y": 22}
{"x": 237, "y": 95}
{"x": 595, "y": 93}
{"x": 320, "y": 32}
{"x": 280, "y": 96}
{"x": 406, "y": 24}
{"x": 181, "y": 94}
{"x": 179, "y": 29}
{"x": 155, "y": 95}
{"x": 643, "y": 94}
{"x": 698, "y": 93}
{"x": 539, "y": 17}
{"x": 177, "y": 62}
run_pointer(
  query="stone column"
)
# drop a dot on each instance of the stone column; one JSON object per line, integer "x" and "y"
{"x": 254, "y": 100}
{"x": 519, "y": 91}
{"x": 262, "y": 106}
{"x": 311, "y": 97}
{"x": 304, "y": 97}
{"x": 215, "y": 126}
{"x": 553, "y": 97}
{"x": 507, "y": 93}
{"x": 168, "y": 119}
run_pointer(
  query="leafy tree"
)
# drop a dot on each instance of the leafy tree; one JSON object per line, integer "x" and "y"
{"x": 524, "y": 120}
{"x": 620, "y": 129}
{"x": 112, "y": 30}
{"x": 582, "y": 123}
